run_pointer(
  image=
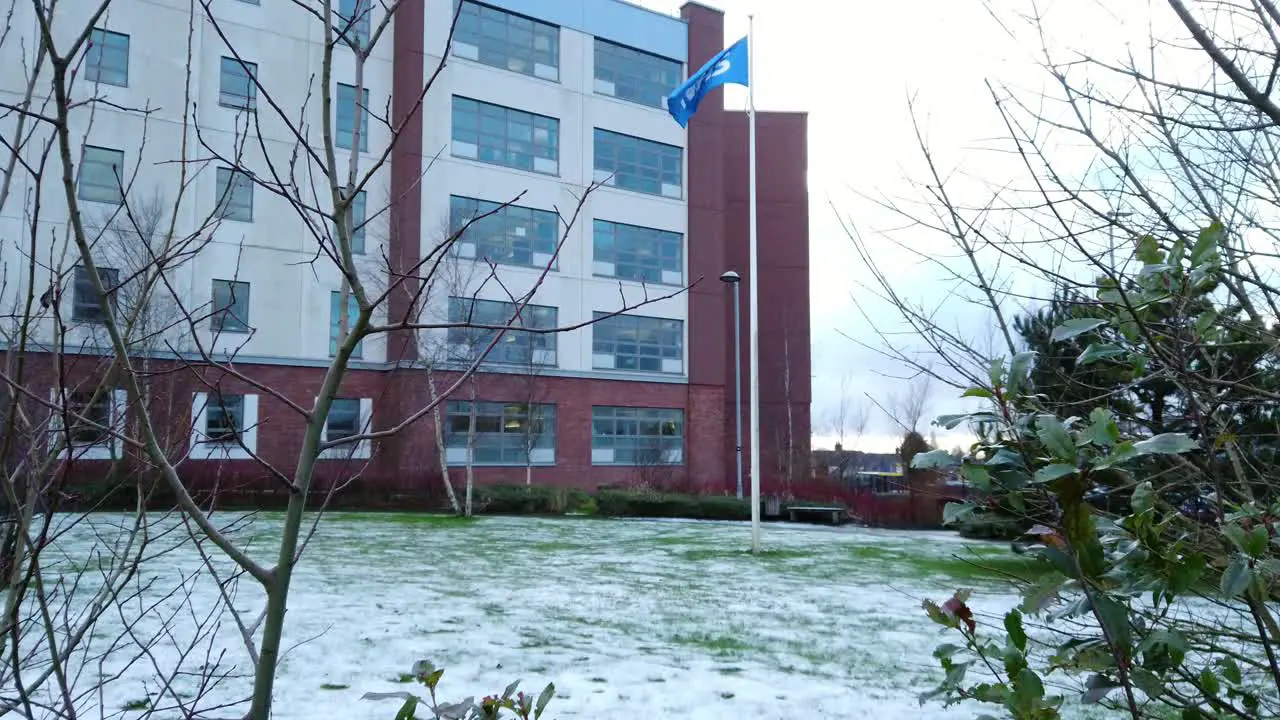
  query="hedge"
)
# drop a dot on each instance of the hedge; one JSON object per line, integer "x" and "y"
{"x": 529, "y": 500}
{"x": 632, "y": 503}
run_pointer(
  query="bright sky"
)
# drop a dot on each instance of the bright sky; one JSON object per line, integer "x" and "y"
{"x": 852, "y": 67}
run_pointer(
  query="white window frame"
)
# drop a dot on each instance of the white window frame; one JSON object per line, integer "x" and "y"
{"x": 363, "y": 449}
{"x": 110, "y": 450}
{"x": 202, "y": 449}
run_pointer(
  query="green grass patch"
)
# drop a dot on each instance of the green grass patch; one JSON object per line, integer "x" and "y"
{"x": 718, "y": 644}
{"x": 334, "y": 686}
{"x": 137, "y": 705}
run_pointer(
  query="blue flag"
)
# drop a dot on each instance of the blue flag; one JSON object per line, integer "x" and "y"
{"x": 728, "y": 66}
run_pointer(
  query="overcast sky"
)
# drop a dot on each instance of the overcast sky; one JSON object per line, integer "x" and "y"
{"x": 852, "y": 66}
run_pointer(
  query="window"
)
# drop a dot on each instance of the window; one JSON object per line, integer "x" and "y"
{"x": 230, "y": 306}
{"x": 357, "y": 223}
{"x": 224, "y": 426}
{"x": 101, "y": 175}
{"x": 515, "y": 347}
{"x": 353, "y": 310}
{"x": 636, "y": 436}
{"x": 506, "y": 40}
{"x": 235, "y": 195}
{"x": 93, "y": 421}
{"x": 85, "y": 306}
{"x": 505, "y": 433}
{"x": 236, "y": 88}
{"x": 503, "y": 136}
{"x": 354, "y": 20}
{"x": 90, "y": 418}
{"x": 106, "y": 60}
{"x": 635, "y": 342}
{"x": 510, "y": 235}
{"x": 635, "y": 75}
{"x": 636, "y": 164}
{"x": 638, "y": 253}
{"x": 347, "y": 108}
{"x": 347, "y": 418}
{"x": 343, "y": 420}
{"x": 224, "y": 418}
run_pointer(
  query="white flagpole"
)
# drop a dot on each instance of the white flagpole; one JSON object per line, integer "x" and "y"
{"x": 753, "y": 277}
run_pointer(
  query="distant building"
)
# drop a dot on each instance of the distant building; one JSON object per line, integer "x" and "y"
{"x": 540, "y": 98}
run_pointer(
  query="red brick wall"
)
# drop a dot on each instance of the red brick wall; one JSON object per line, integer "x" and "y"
{"x": 719, "y": 239}
{"x": 408, "y": 463}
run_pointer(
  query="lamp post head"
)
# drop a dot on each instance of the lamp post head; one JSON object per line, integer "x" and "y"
{"x": 731, "y": 277}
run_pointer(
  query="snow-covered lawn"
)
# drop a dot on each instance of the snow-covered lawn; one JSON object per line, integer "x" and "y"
{"x": 629, "y": 618}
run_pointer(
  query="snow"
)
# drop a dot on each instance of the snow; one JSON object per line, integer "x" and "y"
{"x": 629, "y": 618}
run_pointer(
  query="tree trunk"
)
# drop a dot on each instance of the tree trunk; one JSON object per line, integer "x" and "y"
{"x": 471, "y": 449}
{"x": 441, "y": 449}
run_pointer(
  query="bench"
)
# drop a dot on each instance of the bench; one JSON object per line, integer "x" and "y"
{"x": 833, "y": 515}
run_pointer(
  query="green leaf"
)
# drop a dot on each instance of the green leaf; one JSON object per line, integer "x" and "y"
{"x": 1115, "y": 618}
{"x": 1231, "y": 670}
{"x": 976, "y": 475}
{"x": 950, "y": 422}
{"x": 1206, "y": 320}
{"x": 1144, "y": 497}
{"x": 547, "y": 693}
{"x": 1013, "y": 626}
{"x": 1236, "y": 578}
{"x": 955, "y": 512}
{"x": 946, "y": 650}
{"x": 1052, "y": 472}
{"x": 1075, "y": 327}
{"x": 1099, "y": 351}
{"x": 1149, "y": 251}
{"x": 978, "y": 392}
{"x": 1055, "y": 437}
{"x": 1165, "y": 444}
{"x": 1028, "y": 689}
{"x": 1236, "y": 535}
{"x": 1096, "y": 689}
{"x": 932, "y": 459}
{"x": 1041, "y": 595}
{"x": 510, "y": 689}
{"x": 1207, "y": 243}
{"x": 1148, "y": 682}
{"x": 1102, "y": 430}
{"x": 1209, "y": 682}
{"x": 995, "y": 372}
{"x": 408, "y": 709}
{"x": 1020, "y": 368}
{"x": 1121, "y": 453}
{"x": 1256, "y": 544}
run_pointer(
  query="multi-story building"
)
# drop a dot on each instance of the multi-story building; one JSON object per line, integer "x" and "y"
{"x": 538, "y": 100}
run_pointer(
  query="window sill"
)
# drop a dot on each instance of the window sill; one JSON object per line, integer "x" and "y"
{"x": 638, "y": 465}
{"x": 231, "y": 331}
{"x": 502, "y": 465}
{"x": 453, "y": 54}
{"x": 638, "y": 281}
{"x": 108, "y": 83}
{"x": 117, "y": 202}
{"x": 228, "y": 218}
{"x": 90, "y": 452}
{"x": 233, "y": 106}
{"x": 489, "y": 163}
{"x": 220, "y": 451}
{"x": 629, "y": 102}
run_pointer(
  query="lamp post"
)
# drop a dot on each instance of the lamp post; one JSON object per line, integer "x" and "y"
{"x": 735, "y": 280}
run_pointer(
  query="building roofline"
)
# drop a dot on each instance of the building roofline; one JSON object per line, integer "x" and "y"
{"x": 704, "y": 6}
{"x": 651, "y": 11}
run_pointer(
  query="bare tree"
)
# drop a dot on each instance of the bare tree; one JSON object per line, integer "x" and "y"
{"x": 65, "y": 298}
{"x": 1134, "y": 241}
{"x": 907, "y": 406}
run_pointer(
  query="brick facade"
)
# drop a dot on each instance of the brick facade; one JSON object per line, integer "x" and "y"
{"x": 407, "y": 464}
